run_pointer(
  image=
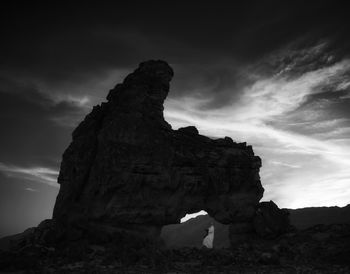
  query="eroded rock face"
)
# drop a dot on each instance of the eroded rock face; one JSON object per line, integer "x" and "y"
{"x": 126, "y": 168}
{"x": 271, "y": 221}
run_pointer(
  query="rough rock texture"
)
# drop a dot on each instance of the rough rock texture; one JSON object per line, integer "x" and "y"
{"x": 319, "y": 249}
{"x": 270, "y": 221}
{"x": 127, "y": 169}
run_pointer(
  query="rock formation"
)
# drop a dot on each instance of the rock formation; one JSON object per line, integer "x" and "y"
{"x": 126, "y": 168}
{"x": 270, "y": 221}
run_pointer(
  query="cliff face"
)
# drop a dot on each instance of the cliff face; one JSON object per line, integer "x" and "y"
{"x": 127, "y": 169}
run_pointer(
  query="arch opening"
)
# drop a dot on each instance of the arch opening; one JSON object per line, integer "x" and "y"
{"x": 191, "y": 231}
{"x": 193, "y": 215}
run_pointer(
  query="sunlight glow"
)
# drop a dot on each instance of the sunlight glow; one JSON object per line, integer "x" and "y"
{"x": 193, "y": 215}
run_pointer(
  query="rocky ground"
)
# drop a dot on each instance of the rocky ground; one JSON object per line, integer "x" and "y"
{"x": 320, "y": 249}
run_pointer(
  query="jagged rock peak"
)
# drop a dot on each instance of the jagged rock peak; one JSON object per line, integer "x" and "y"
{"x": 150, "y": 81}
{"x": 150, "y": 72}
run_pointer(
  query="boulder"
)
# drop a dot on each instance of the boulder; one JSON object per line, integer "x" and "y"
{"x": 270, "y": 221}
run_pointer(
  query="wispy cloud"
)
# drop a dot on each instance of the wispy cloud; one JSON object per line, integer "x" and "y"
{"x": 31, "y": 189}
{"x": 37, "y": 174}
{"x": 304, "y": 163}
{"x": 272, "y": 97}
{"x": 285, "y": 164}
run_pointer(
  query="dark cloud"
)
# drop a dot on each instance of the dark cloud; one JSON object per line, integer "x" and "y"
{"x": 30, "y": 131}
{"x": 216, "y": 49}
{"x": 59, "y": 43}
{"x": 215, "y": 84}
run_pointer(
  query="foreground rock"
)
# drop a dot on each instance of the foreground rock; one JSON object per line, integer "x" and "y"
{"x": 126, "y": 169}
{"x": 270, "y": 221}
{"x": 319, "y": 249}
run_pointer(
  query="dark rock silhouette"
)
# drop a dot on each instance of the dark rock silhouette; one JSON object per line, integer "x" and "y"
{"x": 126, "y": 169}
{"x": 270, "y": 221}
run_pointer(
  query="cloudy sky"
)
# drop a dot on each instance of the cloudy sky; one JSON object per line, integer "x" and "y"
{"x": 275, "y": 74}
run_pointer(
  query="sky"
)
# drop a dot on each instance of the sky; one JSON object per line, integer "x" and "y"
{"x": 274, "y": 74}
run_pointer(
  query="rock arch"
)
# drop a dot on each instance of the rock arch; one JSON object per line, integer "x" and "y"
{"x": 126, "y": 168}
